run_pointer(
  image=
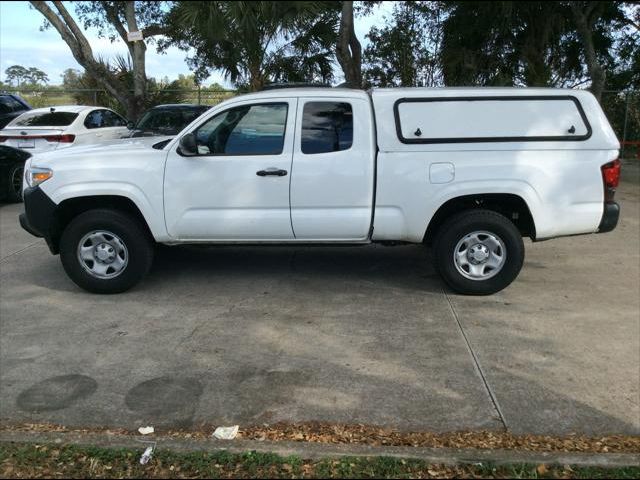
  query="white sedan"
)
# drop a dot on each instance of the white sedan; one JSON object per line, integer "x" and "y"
{"x": 45, "y": 129}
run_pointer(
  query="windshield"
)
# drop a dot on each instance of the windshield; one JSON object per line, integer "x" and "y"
{"x": 45, "y": 119}
{"x": 168, "y": 121}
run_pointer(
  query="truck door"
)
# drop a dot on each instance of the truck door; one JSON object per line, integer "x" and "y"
{"x": 237, "y": 187}
{"x": 332, "y": 181}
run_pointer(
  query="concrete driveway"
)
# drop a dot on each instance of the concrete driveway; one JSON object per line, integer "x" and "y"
{"x": 368, "y": 335}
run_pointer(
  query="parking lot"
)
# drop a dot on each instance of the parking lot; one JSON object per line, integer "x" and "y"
{"x": 249, "y": 335}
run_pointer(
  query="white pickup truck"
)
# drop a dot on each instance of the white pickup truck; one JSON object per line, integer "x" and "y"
{"x": 467, "y": 171}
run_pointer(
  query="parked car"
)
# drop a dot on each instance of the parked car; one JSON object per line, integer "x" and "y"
{"x": 165, "y": 120}
{"x": 11, "y": 105}
{"x": 44, "y": 129}
{"x": 467, "y": 171}
{"x": 11, "y": 173}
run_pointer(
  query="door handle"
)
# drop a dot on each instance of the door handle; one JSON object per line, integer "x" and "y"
{"x": 276, "y": 172}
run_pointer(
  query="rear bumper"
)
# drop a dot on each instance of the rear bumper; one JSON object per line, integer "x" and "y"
{"x": 38, "y": 216}
{"x": 610, "y": 217}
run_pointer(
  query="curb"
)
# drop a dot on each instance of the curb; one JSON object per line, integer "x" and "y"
{"x": 314, "y": 451}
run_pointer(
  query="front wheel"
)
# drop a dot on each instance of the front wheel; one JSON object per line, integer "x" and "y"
{"x": 105, "y": 251}
{"x": 478, "y": 252}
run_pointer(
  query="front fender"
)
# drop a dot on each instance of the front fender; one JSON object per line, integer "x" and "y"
{"x": 150, "y": 206}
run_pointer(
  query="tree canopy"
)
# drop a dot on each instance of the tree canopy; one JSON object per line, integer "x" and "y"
{"x": 26, "y": 76}
{"x": 583, "y": 44}
{"x": 530, "y": 43}
{"x": 404, "y": 51}
{"x": 253, "y": 43}
{"x": 115, "y": 19}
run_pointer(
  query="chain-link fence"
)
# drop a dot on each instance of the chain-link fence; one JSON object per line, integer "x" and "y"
{"x": 623, "y": 112}
{"x": 622, "y": 108}
{"x": 53, "y": 96}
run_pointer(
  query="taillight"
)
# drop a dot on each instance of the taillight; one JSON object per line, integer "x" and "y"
{"x": 67, "y": 138}
{"x": 611, "y": 179}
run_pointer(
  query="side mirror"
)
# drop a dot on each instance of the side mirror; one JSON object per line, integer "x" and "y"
{"x": 188, "y": 146}
{"x": 131, "y": 125}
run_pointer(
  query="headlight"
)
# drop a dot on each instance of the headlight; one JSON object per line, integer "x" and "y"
{"x": 36, "y": 175}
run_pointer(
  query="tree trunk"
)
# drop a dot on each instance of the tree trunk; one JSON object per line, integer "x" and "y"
{"x": 256, "y": 83}
{"x": 256, "y": 76}
{"x": 583, "y": 16}
{"x": 537, "y": 72}
{"x": 539, "y": 21}
{"x": 63, "y": 22}
{"x": 138, "y": 60}
{"x": 348, "y": 49}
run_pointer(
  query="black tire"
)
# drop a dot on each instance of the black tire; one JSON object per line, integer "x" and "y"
{"x": 13, "y": 181}
{"x": 465, "y": 223}
{"x": 134, "y": 236}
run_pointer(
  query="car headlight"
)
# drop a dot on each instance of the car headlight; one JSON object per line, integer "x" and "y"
{"x": 36, "y": 175}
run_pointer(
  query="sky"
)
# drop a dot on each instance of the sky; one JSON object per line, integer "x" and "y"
{"x": 22, "y": 43}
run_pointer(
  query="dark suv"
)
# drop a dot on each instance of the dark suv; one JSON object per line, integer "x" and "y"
{"x": 11, "y": 105}
{"x": 11, "y": 173}
{"x": 166, "y": 119}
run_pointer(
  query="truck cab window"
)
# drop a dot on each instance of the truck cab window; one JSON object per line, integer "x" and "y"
{"x": 246, "y": 130}
{"x": 326, "y": 127}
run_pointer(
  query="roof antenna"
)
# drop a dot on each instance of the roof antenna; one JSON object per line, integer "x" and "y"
{"x": 52, "y": 109}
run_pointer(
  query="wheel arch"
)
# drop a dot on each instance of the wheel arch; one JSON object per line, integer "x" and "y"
{"x": 70, "y": 208}
{"x": 512, "y": 206}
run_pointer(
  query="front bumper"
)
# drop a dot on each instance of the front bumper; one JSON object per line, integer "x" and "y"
{"x": 24, "y": 223}
{"x": 610, "y": 217}
{"x": 39, "y": 214}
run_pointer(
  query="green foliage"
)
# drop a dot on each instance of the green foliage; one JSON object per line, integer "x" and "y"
{"x": 86, "y": 90}
{"x": 25, "y": 77}
{"x": 37, "y": 77}
{"x": 257, "y": 42}
{"x": 71, "y": 78}
{"x": 623, "y": 111}
{"x": 404, "y": 52}
{"x": 365, "y": 8}
{"x": 505, "y": 43}
{"x": 16, "y": 74}
{"x": 625, "y": 73}
{"x": 526, "y": 43}
{"x": 47, "y": 461}
{"x": 100, "y": 16}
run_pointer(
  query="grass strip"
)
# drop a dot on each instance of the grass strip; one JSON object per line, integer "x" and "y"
{"x": 30, "y": 460}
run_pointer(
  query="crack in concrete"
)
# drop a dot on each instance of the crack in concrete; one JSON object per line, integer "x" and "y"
{"x": 477, "y": 364}
{"x": 206, "y": 321}
{"x": 6, "y": 257}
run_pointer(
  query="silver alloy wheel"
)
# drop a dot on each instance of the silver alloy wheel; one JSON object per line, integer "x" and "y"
{"x": 102, "y": 254}
{"x": 480, "y": 255}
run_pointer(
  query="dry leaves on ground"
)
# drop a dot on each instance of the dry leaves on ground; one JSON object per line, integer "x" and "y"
{"x": 336, "y": 433}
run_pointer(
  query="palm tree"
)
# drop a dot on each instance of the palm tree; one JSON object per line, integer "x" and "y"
{"x": 257, "y": 42}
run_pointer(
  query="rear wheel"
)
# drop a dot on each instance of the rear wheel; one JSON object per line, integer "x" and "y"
{"x": 13, "y": 181}
{"x": 478, "y": 252}
{"x": 106, "y": 251}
